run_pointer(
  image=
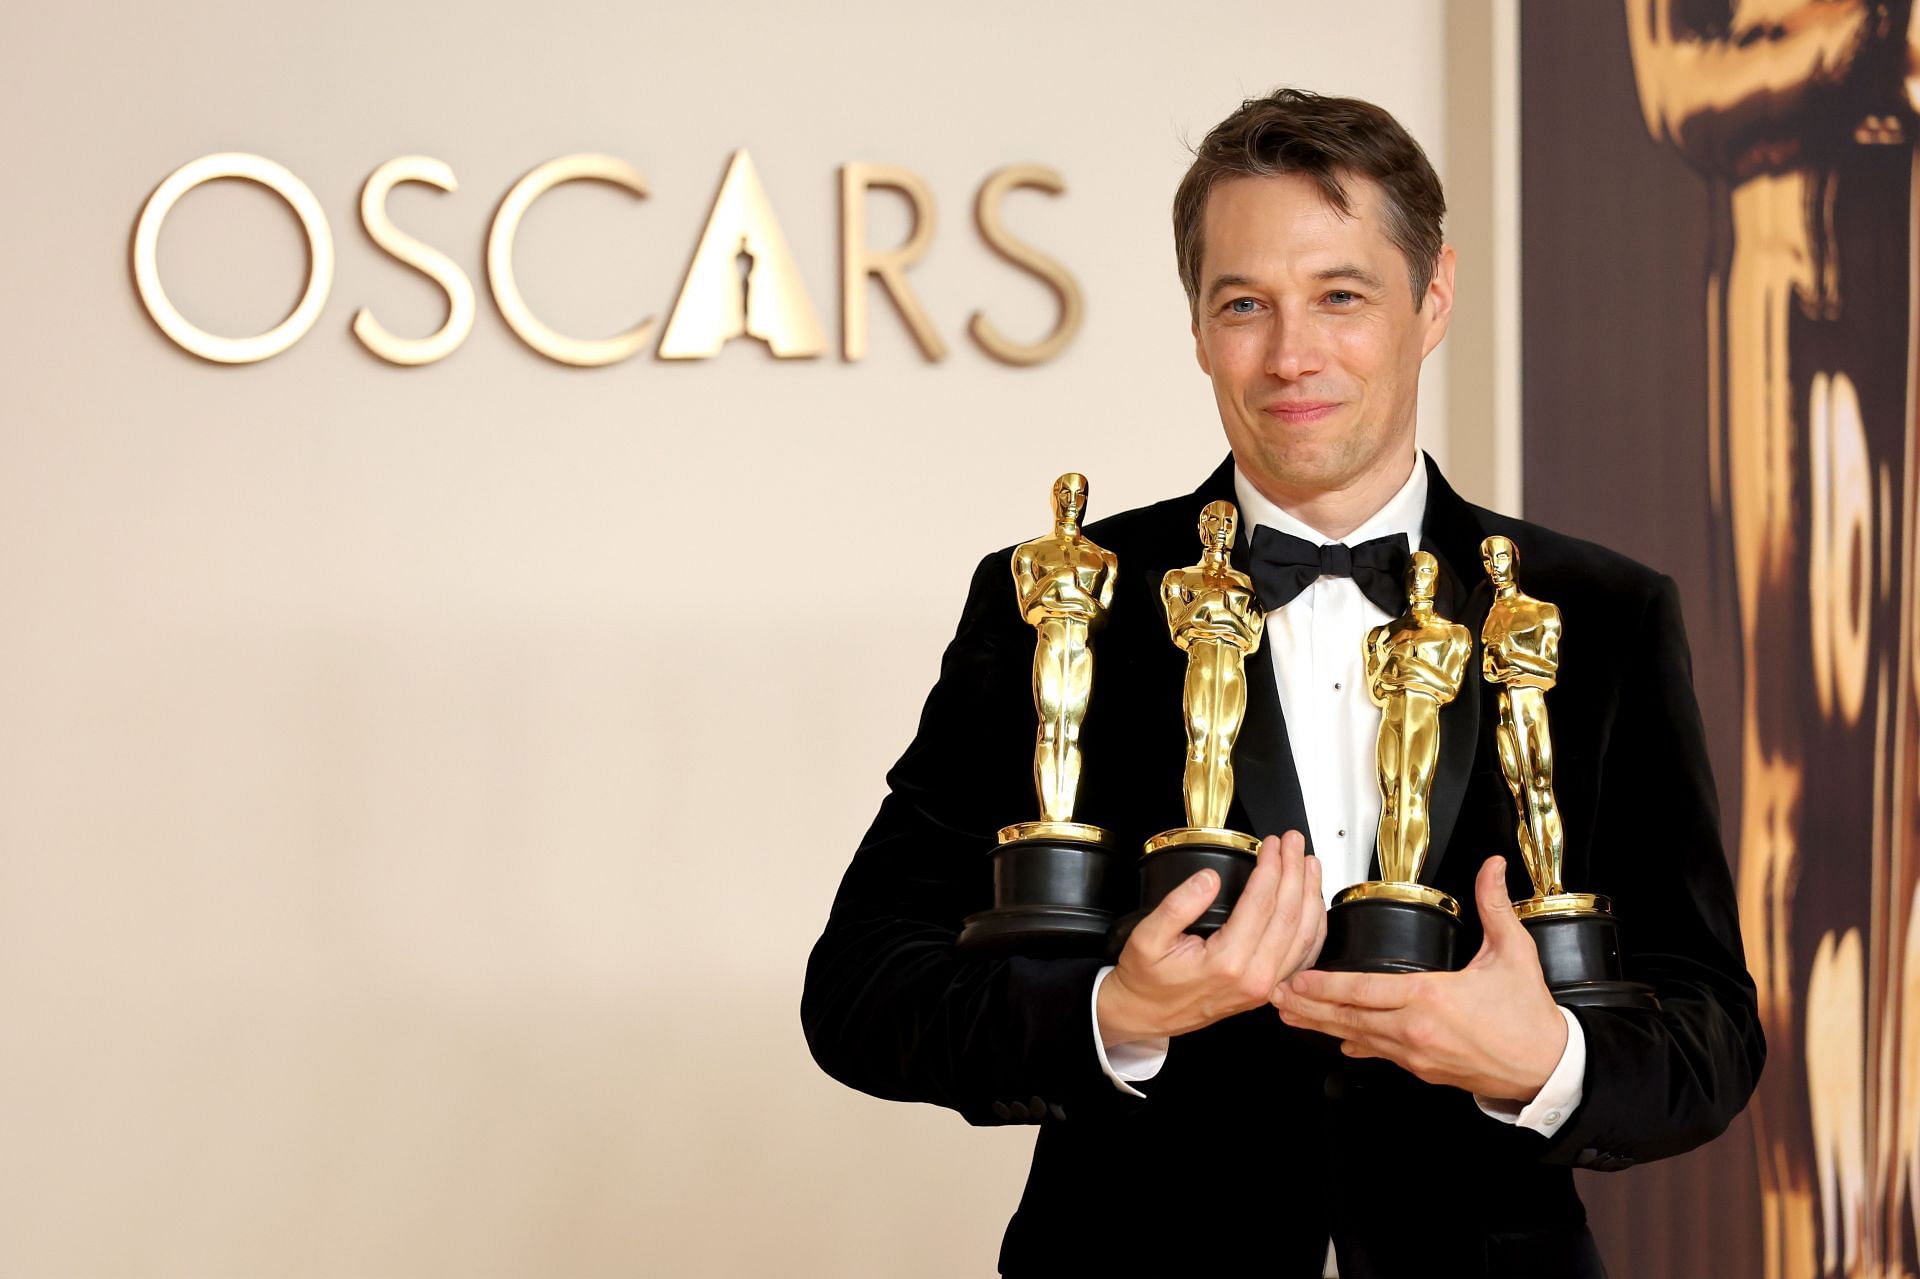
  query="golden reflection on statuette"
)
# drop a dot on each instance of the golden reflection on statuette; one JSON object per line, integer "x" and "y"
{"x": 743, "y": 280}
{"x": 146, "y": 257}
{"x": 580, "y": 352}
{"x": 1065, "y": 587}
{"x": 1414, "y": 665}
{"x": 423, "y": 258}
{"x": 1214, "y": 616}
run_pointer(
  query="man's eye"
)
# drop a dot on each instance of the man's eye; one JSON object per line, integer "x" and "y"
{"x": 1340, "y": 297}
{"x": 1242, "y": 306}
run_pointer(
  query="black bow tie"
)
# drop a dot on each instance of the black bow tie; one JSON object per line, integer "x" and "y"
{"x": 1283, "y": 565}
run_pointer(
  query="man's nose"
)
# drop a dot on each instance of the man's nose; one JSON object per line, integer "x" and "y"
{"x": 1294, "y": 349}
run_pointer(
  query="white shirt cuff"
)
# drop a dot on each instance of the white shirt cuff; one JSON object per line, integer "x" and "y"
{"x": 1557, "y": 1098}
{"x": 1126, "y": 1064}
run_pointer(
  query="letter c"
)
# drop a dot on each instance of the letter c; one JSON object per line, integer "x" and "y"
{"x": 584, "y": 352}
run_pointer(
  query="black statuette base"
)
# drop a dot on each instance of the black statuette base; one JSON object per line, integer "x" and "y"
{"x": 1580, "y": 958}
{"x": 1163, "y": 871}
{"x": 1379, "y": 935}
{"x": 1051, "y": 897}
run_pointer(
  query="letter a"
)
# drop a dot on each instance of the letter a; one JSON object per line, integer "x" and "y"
{"x": 742, "y": 280}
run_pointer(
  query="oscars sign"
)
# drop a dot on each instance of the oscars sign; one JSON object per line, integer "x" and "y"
{"x": 743, "y": 280}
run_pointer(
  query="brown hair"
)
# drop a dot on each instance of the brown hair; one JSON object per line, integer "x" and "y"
{"x": 1328, "y": 140}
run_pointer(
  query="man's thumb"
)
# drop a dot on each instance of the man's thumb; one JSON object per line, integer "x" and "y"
{"x": 1160, "y": 929}
{"x": 1497, "y": 919}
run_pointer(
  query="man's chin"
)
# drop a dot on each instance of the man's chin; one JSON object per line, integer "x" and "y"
{"x": 1295, "y": 468}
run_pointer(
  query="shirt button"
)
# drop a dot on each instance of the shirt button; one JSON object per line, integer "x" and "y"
{"x": 1553, "y": 1116}
{"x": 1342, "y": 834}
{"x": 1336, "y": 686}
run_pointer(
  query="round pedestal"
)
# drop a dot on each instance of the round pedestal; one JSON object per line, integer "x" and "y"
{"x": 1175, "y": 855}
{"x": 1053, "y": 895}
{"x": 1391, "y": 928}
{"x": 1580, "y": 955}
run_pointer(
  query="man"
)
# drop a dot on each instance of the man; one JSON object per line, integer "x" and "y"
{"x": 1216, "y": 1106}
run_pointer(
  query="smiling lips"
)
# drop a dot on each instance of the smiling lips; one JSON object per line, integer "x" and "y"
{"x": 1300, "y": 412}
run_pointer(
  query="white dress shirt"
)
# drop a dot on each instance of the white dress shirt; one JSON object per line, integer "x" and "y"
{"x": 1315, "y": 643}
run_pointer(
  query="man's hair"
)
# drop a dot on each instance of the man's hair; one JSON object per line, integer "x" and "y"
{"x": 1328, "y": 140}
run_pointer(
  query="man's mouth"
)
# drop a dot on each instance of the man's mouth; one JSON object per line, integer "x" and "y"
{"x": 1300, "y": 412}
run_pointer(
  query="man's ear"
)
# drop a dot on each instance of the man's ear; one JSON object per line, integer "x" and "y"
{"x": 1200, "y": 351}
{"x": 1439, "y": 301}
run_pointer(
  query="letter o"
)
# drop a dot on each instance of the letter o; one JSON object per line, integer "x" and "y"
{"x": 146, "y": 257}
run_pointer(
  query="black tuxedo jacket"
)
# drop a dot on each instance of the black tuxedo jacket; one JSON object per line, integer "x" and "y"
{"x": 1258, "y": 1141}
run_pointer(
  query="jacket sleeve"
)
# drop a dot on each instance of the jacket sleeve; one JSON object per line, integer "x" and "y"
{"x": 1661, "y": 1083}
{"x": 891, "y": 1006}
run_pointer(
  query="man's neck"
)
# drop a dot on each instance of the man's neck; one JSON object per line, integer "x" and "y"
{"x": 1334, "y": 513}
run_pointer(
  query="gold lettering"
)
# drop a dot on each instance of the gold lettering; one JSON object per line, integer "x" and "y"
{"x": 423, "y": 258}
{"x": 993, "y": 229}
{"x": 146, "y": 257}
{"x": 583, "y": 352}
{"x": 742, "y": 280}
{"x": 857, "y": 261}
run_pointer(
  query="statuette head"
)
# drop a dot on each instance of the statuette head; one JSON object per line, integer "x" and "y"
{"x": 1423, "y": 573}
{"x": 1218, "y": 520}
{"x": 1070, "y": 497}
{"x": 1500, "y": 557}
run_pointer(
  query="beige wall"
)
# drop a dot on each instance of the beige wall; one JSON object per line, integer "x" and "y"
{"x": 423, "y": 786}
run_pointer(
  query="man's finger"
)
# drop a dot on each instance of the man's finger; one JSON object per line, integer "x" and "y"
{"x": 1343, "y": 1021}
{"x": 1277, "y": 941}
{"x": 1310, "y": 922}
{"x": 1239, "y": 936}
{"x": 1496, "y": 908}
{"x": 1160, "y": 930}
{"x": 1361, "y": 990}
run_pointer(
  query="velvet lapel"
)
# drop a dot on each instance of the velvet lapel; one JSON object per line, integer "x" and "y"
{"x": 1266, "y": 788}
{"x": 1452, "y": 532}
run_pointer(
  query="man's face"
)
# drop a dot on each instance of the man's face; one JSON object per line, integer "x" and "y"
{"x": 1307, "y": 327}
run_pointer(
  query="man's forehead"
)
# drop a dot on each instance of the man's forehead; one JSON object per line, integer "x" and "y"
{"x": 1288, "y": 214}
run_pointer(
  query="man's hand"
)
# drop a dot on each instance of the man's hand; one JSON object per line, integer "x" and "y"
{"x": 1168, "y": 982}
{"x": 1490, "y": 1028}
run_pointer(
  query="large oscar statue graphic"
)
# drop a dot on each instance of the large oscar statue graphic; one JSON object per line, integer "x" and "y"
{"x": 1214, "y": 616}
{"x": 1800, "y": 116}
{"x": 1054, "y": 880}
{"x": 1575, "y": 933}
{"x": 1414, "y": 667}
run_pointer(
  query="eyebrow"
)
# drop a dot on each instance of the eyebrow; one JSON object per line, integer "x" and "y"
{"x": 1344, "y": 271}
{"x": 1227, "y": 282}
{"x": 1348, "y": 271}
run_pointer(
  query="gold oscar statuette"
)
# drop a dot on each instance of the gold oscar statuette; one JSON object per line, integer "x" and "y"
{"x": 1214, "y": 616}
{"x": 1053, "y": 885}
{"x": 1065, "y": 586}
{"x": 1575, "y": 933}
{"x": 1414, "y": 666}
